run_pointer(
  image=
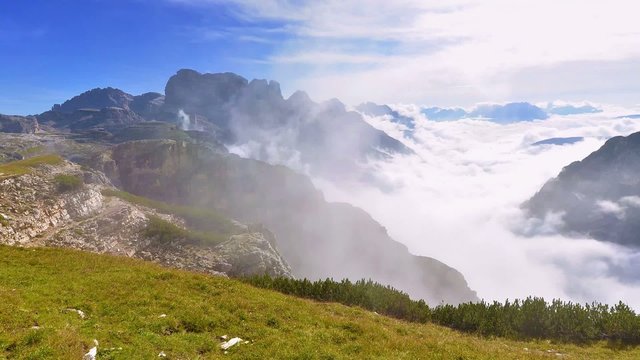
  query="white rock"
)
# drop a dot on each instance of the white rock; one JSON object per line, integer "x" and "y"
{"x": 226, "y": 345}
{"x": 80, "y": 312}
{"x": 91, "y": 355}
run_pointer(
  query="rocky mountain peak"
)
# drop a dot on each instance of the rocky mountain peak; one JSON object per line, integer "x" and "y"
{"x": 300, "y": 99}
{"x": 262, "y": 89}
{"x": 598, "y": 197}
{"x": 196, "y": 92}
{"x": 97, "y": 98}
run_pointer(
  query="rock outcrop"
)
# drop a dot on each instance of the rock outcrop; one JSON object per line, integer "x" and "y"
{"x": 98, "y": 98}
{"x": 148, "y": 105}
{"x": 18, "y": 124}
{"x": 84, "y": 119}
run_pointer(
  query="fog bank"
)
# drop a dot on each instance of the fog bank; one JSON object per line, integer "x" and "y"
{"x": 458, "y": 200}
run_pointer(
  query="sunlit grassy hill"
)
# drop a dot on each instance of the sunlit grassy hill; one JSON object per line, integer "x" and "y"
{"x": 137, "y": 310}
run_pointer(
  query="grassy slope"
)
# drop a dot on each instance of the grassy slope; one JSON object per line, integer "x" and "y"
{"x": 123, "y": 299}
{"x": 16, "y": 168}
{"x": 201, "y": 219}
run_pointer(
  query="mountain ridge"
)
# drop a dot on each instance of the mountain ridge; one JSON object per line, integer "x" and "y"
{"x": 159, "y": 155}
{"x": 596, "y": 195}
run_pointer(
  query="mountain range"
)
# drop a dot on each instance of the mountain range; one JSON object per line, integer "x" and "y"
{"x": 173, "y": 149}
{"x": 498, "y": 113}
{"x": 161, "y": 161}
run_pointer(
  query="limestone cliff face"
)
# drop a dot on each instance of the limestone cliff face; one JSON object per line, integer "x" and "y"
{"x": 34, "y": 212}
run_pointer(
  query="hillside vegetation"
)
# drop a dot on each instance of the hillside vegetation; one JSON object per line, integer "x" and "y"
{"x": 531, "y": 318}
{"x": 136, "y": 310}
{"x": 21, "y": 167}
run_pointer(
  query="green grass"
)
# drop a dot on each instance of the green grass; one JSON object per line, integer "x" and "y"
{"x": 31, "y": 151}
{"x": 66, "y": 183}
{"x": 21, "y": 167}
{"x": 124, "y": 298}
{"x": 167, "y": 233}
{"x": 528, "y": 319}
{"x": 200, "y": 219}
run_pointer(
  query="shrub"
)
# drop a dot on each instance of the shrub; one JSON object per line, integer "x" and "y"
{"x": 66, "y": 183}
{"x": 165, "y": 233}
{"x": 531, "y": 318}
{"x": 198, "y": 218}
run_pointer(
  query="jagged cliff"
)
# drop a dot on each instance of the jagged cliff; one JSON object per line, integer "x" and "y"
{"x": 18, "y": 124}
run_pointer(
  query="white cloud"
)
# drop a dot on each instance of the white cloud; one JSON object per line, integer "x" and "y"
{"x": 631, "y": 201}
{"x": 455, "y": 52}
{"x": 610, "y": 207}
{"x": 459, "y": 201}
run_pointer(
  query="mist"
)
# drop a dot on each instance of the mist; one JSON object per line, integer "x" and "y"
{"x": 458, "y": 199}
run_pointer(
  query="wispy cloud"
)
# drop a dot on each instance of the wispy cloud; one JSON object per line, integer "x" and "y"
{"x": 472, "y": 50}
{"x": 327, "y": 58}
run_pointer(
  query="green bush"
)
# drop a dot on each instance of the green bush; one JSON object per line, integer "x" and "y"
{"x": 201, "y": 219}
{"x": 531, "y": 318}
{"x": 363, "y": 293}
{"x": 66, "y": 183}
{"x": 166, "y": 233}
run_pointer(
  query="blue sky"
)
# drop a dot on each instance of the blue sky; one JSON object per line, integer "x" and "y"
{"x": 430, "y": 52}
{"x": 52, "y": 50}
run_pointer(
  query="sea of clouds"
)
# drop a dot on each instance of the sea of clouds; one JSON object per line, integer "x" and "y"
{"x": 458, "y": 200}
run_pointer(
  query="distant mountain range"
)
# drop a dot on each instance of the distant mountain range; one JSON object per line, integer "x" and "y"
{"x": 632, "y": 116}
{"x": 559, "y": 141}
{"x": 499, "y": 113}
